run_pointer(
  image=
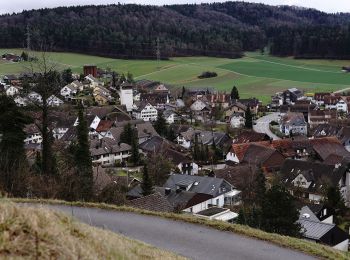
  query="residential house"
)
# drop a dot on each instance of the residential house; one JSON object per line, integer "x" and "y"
{"x": 237, "y": 120}
{"x": 238, "y": 176}
{"x": 33, "y": 134}
{"x": 291, "y": 95}
{"x": 302, "y": 106}
{"x": 222, "y": 193}
{"x": 276, "y": 100}
{"x": 267, "y": 158}
{"x": 169, "y": 116}
{"x": 293, "y": 124}
{"x": 344, "y": 137}
{"x": 317, "y": 117}
{"x": 11, "y": 80}
{"x": 103, "y": 129}
{"x": 21, "y": 101}
{"x": 307, "y": 179}
{"x": 161, "y": 89}
{"x": 61, "y": 125}
{"x": 101, "y": 99}
{"x": 69, "y": 91}
{"x": 325, "y": 130}
{"x": 12, "y": 90}
{"x": 252, "y": 103}
{"x": 92, "y": 121}
{"x": 145, "y": 130}
{"x": 249, "y": 137}
{"x": 200, "y": 109}
{"x": 158, "y": 99}
{"x": 331, "y": 101}
{"x": 108, "y": 152}
{"x": 235, "y": 108}
{"x": 329, "y": 147}
{"x": 317, "y": 226}
{"x": 54, "y": 101}
{"x": 342, "y": 106}
{"x": 219, "y": 99}
{"x": 34, "y": 97}
{"x": 158, "y": 145}
{"x": 289, "y": 148}
{"x": 202, "y": 196}
{"x": 186, "y": 139}
{"x": 320, "y": 97}
{"x": 323, "y": 233}
{"x": 92, "y": 81}
{"x": 146, "y": 112}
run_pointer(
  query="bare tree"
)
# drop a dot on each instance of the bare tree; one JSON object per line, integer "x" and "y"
{"x": 43, "y": 84}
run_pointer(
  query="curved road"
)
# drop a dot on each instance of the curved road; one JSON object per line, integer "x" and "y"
{"x": 189, "y": 240}
{"x": 263, "y": 125}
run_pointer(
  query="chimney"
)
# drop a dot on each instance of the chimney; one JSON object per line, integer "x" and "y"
{"x": 167, "y": 191}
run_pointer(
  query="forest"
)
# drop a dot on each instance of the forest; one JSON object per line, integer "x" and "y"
{"x": 218, "y": 29}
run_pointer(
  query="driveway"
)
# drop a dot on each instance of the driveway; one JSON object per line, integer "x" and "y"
{"x": 263, "y": 125}
{"x": 189, "y": 240}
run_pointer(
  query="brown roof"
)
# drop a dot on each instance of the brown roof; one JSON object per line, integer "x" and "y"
{"x": 237, "y": 175}
{"x": 285, "y": 146}
{"x": 331, "y": 100}
{"x": 153, "y": 202}
{"x": 104, "y": 126}
{"x": 257, "y": 154}
{"x": 324, "y": 147}
{"x": 250, "y": 136}
{"x": 320, "y": 96}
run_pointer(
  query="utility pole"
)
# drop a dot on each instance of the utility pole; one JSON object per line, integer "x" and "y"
{"x": 158, "y": 53}
{"x": 28, "y": 37}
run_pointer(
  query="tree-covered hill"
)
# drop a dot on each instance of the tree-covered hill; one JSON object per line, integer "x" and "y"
{"x": 218, "y": 29}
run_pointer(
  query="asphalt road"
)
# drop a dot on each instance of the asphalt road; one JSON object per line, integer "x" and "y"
{"x": 263, "y": 125}
{"x": 189, "y": 240}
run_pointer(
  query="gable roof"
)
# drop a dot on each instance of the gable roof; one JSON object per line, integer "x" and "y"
{"x": 153, "y": 202}
{"x": 325, "y": 130}
{"x": 293, "y": 119}
{"x": 322, "y": 146}
{"x": 236, "y": 175}
{"x": 316, "y": 173}
{"x": 257, "y": 154}
{"x": 250, "y": 136}
{"x": 107, "y": 146}
{"x": 327, "y": 146}
{"x": 206, "y": 185}
{"x": 104, "y": 126}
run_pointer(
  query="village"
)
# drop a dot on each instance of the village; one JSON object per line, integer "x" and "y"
{"x": 205, "y": 146}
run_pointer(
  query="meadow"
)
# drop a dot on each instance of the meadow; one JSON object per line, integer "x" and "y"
{"x": 255, "y": 74}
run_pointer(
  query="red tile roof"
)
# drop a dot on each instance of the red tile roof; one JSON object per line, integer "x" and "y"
{"x": 104, "y": 126}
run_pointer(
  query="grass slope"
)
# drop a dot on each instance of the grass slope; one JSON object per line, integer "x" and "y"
{"x": 254, "y": 75}
{"x": 317, "y": 250}
{"x": 28, "y": 233}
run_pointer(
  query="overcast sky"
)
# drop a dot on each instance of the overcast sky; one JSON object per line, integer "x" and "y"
{"x": 9, "y": 6}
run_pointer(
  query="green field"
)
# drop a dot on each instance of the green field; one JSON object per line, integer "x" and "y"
{"x": 254, "y": 75}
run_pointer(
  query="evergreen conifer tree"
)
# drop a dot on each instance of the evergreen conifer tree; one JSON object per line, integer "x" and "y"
{"x": 12, "y": 153}
{"x": 248, "y": 119}
{"x": 234, "y": 93}
{"x": 83, "y": 159}
{"x": 146, "y": 185}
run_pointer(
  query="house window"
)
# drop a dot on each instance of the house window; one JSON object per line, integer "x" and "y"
{"x": 217, "y": 202}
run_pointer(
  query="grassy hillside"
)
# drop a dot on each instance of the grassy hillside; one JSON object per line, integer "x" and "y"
{"x": 317, "y": 250}
{"x": 28, "y": 233}
{"x": 254, "y": 75}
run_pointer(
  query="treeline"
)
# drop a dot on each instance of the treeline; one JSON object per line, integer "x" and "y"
{"x": 218, "y": 29}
